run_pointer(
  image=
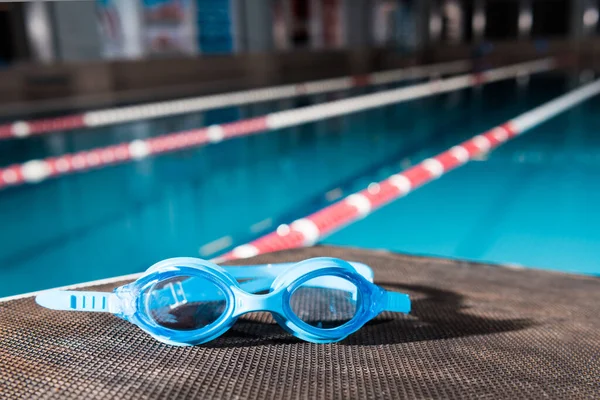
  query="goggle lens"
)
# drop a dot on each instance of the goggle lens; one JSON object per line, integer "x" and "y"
{"x": 318, "y": 304}
{"x": 185, "y": 303}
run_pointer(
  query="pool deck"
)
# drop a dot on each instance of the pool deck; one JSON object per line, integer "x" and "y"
{"x": 476, "y": 331}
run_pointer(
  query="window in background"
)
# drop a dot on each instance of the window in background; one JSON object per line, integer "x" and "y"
{"x": 525, "y": 19}
{"x": 435, "y": 22}
{"x": 590, "y": 18}
{"x": 282, "y": 18}
{"x": 384, "y": 22}
{"x": 476, "y": 15}
{"x": 452, "y": 21}
{"x": 39, "y": 31}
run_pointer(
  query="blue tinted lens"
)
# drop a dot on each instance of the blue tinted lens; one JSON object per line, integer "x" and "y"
{"x": 185, "y": 302}
{"x": 318, "y": 304}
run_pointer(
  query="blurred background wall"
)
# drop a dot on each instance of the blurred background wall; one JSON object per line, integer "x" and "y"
{"x": 68, "y": 54}
{"x": 51, "y": 31}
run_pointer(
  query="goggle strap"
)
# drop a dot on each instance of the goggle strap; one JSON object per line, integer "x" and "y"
{"x": 397, "y": 302}
{"x": 252, "y": 271}
{"x": 256, "y": 285}
{"x": 69, "y": 300}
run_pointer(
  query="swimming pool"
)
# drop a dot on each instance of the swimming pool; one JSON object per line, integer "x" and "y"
{"x": 532, "y": 202}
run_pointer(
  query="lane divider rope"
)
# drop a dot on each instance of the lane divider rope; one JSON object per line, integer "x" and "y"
{"x": 22, "y": 129}
{"x": 344, "y": 212}
{"x": 35, "y": 171}
{"x": 310, "y": 229}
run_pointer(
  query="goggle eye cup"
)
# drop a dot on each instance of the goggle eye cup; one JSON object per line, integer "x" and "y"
{"x": 185, "y": 302}
{"x": 326, "y": 301}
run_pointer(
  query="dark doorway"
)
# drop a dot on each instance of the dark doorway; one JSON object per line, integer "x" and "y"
{"x": 13, "y": 45}
{"x": 550, "y": 18}
{"x": 502, "y": 19}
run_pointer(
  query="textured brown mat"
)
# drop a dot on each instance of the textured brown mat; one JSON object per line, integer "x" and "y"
{"x": 476, "y": 332}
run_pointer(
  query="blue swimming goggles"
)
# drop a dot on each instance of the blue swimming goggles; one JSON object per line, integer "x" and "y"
{"x": 188, "y": 301}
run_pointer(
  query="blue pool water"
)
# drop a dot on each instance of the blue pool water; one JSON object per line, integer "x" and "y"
{"x": 532, "y": 202}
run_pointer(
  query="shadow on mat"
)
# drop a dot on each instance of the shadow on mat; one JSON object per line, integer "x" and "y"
{"x": 439, "y": 315}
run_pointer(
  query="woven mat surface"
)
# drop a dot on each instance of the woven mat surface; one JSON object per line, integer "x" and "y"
{"x": 476, "y": 331}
